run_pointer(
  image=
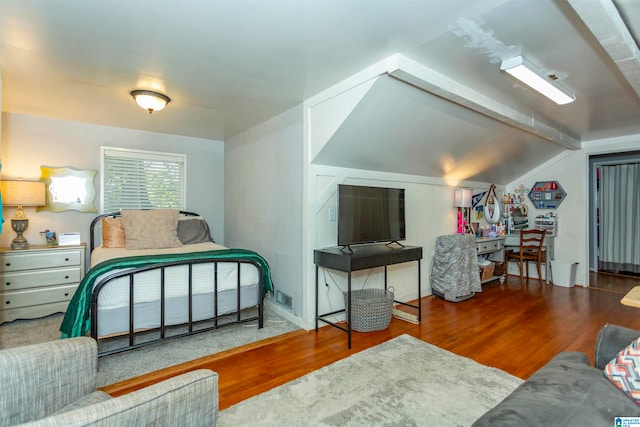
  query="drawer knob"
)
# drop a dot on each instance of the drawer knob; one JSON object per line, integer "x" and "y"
{"x": 8, "y": 264}
{"x": 66, "y": 259}
{"x": 66, "y": 277}
{"x": 8, "y": 302}
{"x": 8, "y": 283}
{"x": 66, "y": 294}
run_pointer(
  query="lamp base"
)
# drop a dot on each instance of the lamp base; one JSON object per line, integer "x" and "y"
{"x": 19, "y": 245}
{"x": 19, "y": 226}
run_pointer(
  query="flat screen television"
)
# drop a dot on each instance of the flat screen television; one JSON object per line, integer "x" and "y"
{"x": 370, "y": 215}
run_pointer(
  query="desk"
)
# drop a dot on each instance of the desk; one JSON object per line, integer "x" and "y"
{"x": 513, "y": 241}
{"x": 360, "y": 258}
{"x": 632, "y": 298}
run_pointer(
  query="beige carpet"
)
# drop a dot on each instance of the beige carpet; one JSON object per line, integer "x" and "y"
{"x": 402, "y": 382}
{"x": 118, "y": 367}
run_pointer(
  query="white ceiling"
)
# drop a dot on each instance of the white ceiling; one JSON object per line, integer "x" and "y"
{"x": 229, "y": 65}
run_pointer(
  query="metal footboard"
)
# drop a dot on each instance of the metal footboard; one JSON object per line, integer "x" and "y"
{"x": 134, "y": 336}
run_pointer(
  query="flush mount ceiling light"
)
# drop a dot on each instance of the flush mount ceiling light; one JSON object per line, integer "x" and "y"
{"x": 528, "y": 74}
{"x": 150, "y": 100}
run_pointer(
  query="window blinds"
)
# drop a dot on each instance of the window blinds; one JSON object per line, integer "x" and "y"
{"x": 142, "y": 180}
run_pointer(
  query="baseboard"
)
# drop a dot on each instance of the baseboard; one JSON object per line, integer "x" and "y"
{"x": 270, "y": 304}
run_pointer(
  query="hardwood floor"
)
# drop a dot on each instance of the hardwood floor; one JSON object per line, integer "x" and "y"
{"x": 512, "y": 327}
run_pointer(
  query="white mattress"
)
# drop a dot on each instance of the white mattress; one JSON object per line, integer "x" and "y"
{"x": 101, "y": 254}
{"x": 147, "y": 284}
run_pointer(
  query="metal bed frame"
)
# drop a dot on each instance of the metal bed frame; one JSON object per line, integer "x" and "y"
{"x": 162, "y": 328}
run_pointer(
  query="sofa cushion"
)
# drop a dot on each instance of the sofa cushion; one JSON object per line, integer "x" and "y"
{"x": 624, "y": 371}
{"x": 564, "y": 392}
{"x": 87, "y": 400}
{"x": 610, "y": 340}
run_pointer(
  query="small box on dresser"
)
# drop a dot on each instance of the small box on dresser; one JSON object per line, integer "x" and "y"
{"x": 38, "y": 281}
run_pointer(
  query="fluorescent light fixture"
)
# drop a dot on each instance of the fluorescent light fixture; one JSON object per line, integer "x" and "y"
{"x": 528, "y": 74}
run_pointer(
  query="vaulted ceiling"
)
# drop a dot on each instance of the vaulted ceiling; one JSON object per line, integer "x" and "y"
{"x": 230, "y": 65}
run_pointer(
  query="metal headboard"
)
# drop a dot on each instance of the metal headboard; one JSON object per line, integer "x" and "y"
{"x": 98, "y": 221}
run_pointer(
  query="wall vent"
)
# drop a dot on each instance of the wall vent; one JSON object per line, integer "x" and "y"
{"x": 284, "y": 299}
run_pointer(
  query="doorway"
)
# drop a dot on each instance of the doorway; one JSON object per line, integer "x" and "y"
{"x": 609, "y": 249}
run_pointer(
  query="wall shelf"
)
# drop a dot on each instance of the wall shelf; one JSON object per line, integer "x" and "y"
{"x": 547, "y": 194}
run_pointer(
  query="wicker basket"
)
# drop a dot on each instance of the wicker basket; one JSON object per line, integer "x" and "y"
{"x": 371, "y": 309}
{"x": 500, "y": 268}
{"x": 486, "y": 272}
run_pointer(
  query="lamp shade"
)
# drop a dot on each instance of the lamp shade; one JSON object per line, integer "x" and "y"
{"x": 22, "y": 193}
{"x": 462, "y": 198}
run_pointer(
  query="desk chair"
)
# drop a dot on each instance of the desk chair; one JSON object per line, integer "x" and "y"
{"x": 530, "y": 250}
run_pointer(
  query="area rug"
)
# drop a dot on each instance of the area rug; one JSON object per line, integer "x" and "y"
{"x": 402, "y": 382}
{"x": 122, "y": 366}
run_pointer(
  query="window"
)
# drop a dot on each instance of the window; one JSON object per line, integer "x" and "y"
{"x": 134, "y": 179}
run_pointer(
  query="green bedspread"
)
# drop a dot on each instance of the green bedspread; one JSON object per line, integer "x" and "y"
{"x": 77, "y": 320}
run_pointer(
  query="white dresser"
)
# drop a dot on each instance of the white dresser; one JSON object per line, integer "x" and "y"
{"x": 38, "y": 281}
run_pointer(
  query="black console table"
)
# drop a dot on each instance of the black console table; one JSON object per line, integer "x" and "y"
{"x": 360, "y": 258}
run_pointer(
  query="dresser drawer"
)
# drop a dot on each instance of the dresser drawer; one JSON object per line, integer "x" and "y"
{"x": 31, "y": 261}
{"x": 29, "y": 297}
{"x": 38, "y": 278}
{"x": 490, "y": 246}
{"x": 33, "y": 311}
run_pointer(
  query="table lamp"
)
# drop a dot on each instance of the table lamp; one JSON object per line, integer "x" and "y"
{"x": 462, "y": 201}
{"x": 21, "y": 193}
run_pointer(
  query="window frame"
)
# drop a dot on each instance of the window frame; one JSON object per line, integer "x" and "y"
{"x": 147, "y": 155}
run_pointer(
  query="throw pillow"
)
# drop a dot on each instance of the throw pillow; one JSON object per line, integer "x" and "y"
{"x": 151, "y": 229}
{"x": 112, "y": 233}
{"x": 624, "y": 371}
{"x": 193, "y": 231}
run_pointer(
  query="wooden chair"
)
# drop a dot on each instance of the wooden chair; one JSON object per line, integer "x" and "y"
{"x": 531, "y": 242}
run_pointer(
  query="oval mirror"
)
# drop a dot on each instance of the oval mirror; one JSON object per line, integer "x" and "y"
{"x": 492, "y": 211}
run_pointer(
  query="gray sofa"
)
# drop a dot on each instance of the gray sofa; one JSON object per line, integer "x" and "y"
{"x": 569, "y": 392}
{"x": 54, "y": 384}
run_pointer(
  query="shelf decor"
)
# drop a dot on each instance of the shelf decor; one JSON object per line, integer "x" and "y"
{"x": 547, "y": 195}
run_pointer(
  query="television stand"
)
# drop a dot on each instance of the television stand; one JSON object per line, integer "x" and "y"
{"x": 346, "y": 248}
{"x": 395, "y": 242}
{"x": 360, "y": 258}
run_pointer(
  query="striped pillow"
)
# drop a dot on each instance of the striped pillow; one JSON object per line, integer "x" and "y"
{"x": 624, "y": 371}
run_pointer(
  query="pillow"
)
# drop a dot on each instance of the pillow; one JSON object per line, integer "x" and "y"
{"x": 151, "y": 229}
{"x": 193, "y": 231}
{"x": 624, "y": 371}
{"x": 112, "y": 233}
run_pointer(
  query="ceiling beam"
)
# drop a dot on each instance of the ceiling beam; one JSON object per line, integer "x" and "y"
{"x": 430, "y": 81}
{"x": 604, "y": 21}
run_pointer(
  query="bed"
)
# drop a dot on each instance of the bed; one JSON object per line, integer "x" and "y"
{"x": 158, "y": 275}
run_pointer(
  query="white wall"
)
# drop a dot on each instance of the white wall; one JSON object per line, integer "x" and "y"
{"x": 429, "y": 214}
{"x": 429, "y": 206}
{"x": 29, "y": 142}
{"x": 570, "y": 169}
{"x": 263, "y": 198}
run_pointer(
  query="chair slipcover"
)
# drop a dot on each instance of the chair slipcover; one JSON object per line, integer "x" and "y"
{"x": 454, "y": 272}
